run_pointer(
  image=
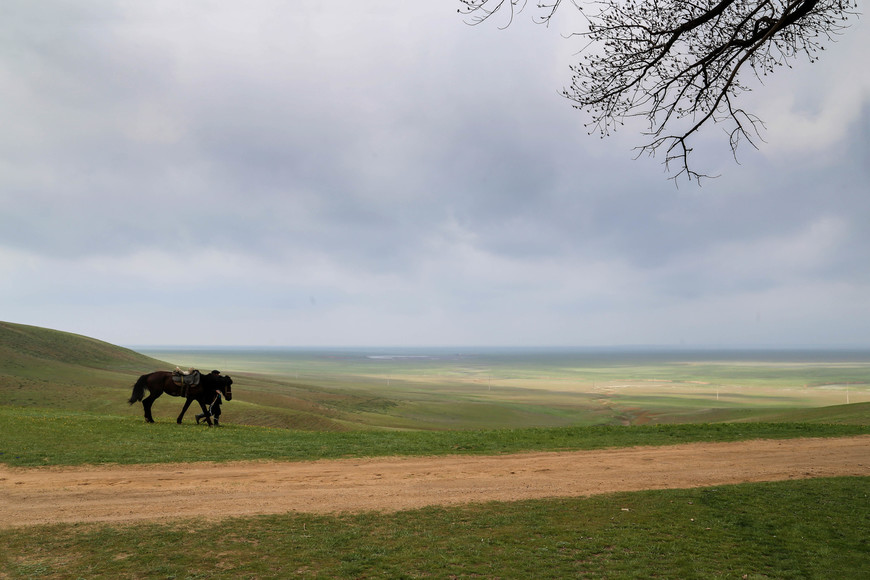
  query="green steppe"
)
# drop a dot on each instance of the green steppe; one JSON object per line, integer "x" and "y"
{"x": 63, "y": 401}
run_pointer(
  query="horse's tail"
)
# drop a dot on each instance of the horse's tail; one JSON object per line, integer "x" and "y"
{"x": 139, "y": 389}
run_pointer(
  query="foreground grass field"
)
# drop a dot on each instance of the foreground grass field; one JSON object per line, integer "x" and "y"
{"x": 31, "y": 437}
{"x": 812, "y": 529}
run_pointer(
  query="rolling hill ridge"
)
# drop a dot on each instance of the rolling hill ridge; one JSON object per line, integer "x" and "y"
{"x": 55, "y": 369}
{"x": 52, "y": 369}
{"x": 19, "y": 342}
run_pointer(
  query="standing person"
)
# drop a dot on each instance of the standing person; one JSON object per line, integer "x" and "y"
{"x": 214, "y": 410}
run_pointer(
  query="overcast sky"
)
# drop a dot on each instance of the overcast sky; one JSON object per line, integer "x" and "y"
{"x": 341, "y": 173}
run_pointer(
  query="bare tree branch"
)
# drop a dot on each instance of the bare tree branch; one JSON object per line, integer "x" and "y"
{"x": 677, "y": 63}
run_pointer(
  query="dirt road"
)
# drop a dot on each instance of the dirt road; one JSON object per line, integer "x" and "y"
{"x": 170, "y": 491}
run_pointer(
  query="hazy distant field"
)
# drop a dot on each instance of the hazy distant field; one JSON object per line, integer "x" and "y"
{"x": 443, "y": 389}
{"x": 487, "y": 388}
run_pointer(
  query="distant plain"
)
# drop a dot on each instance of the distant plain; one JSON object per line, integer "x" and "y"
{"x": 442, "y": 388}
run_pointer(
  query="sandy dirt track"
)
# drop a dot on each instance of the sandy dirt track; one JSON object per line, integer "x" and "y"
{"x": 30, "y": 496}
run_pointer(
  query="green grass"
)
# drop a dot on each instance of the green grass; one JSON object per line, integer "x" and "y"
{"x": 21, "y": 346}
{"x": 854, "y": 414}
{"x": 493, "y": 389}
{"x": 811, "y": 529}
{"x": 63, "y": 402}
{"x": 48, "y": 368}
{"x": 351, "y": 391}
{"x": 30, "y": 437}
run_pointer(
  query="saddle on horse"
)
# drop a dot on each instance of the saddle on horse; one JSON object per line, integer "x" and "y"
{"x": 185, "y": 380}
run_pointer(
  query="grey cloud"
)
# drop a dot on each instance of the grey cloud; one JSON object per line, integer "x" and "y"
{"x": 424, "y": 174}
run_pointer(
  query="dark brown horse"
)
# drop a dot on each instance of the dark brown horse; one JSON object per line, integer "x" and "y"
{"x": 224, "y": 384}
{"x": 160, "y": 382}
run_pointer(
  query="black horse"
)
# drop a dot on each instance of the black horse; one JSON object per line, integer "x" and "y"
{"x": 221, "y": 383}
{"x": 160, "y": 382}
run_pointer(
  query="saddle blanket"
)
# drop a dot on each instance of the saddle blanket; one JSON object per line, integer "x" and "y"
{"x": 188, "y": 378}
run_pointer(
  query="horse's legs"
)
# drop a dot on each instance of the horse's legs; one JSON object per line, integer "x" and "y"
{"x": 205, "y": 412}
{"x": 184, "y": 410}
{"x": 146, "y": 403}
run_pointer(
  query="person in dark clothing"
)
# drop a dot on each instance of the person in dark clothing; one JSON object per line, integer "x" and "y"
{"x": 214, "y": 410}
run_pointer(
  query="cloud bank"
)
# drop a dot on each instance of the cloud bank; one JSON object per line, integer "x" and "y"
{"x": 381, "y": 174}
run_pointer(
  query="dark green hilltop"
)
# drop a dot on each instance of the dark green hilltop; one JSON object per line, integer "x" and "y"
{"x": 23, "y": 346}
{"x": 50, "y": 368}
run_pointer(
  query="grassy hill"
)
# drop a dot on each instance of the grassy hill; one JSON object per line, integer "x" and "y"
{"x": 22, "y": 345}
{"x": 49, "y": 368}
{"x": 854, "y": 414}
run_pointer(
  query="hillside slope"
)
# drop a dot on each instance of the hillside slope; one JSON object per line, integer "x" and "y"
{"x": 50, "y": 368}
{"x": 19, "y": 343}
{"x": 854, "y": 414}
{"x": 40, "y": 367}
